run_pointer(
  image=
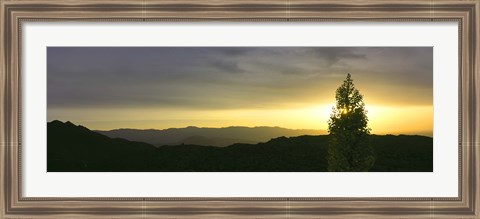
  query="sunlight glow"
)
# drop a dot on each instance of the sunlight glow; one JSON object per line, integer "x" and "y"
{"x": 382, "y": 119}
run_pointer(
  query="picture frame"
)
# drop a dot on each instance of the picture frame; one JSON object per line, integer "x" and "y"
{"x": 13, "y": 14}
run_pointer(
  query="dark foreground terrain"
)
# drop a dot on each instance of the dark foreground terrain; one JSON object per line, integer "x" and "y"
{"x": 72, "y": 148}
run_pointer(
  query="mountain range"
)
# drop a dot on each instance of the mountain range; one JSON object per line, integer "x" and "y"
{"x": 219, "y": 137}
{"x": 74, "y": 148}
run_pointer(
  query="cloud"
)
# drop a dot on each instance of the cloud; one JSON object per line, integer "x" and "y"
{"x": 227, "y": 66}
{"x": 233, "y": 51}
{"x": 233, "y": 77}
{"x": 333, "y": 55}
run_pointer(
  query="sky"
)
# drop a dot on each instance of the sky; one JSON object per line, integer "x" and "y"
{"x": 106, "y": 88}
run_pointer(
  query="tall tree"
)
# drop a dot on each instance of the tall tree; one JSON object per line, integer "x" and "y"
{"x": 349, "y": 147}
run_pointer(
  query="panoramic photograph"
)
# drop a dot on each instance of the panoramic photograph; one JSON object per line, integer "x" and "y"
{"x": 239, "y": 109}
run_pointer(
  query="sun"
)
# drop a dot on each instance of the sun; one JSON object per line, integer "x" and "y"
{"x": 325, "y": 111}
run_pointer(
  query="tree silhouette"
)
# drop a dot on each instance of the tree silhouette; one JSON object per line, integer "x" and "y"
{"x": 349, "y": 147}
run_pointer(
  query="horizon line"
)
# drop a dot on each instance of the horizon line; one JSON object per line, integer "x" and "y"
{"x": 425, "y": 133}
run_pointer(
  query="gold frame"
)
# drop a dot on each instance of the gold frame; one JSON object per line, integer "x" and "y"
{"x": 13, "y": 13}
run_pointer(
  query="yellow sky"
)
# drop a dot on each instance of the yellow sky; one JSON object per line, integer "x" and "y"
{"x": 382, "y": 119}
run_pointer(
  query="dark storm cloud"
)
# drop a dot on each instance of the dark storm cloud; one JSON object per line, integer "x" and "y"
{"x": 232, "y": 77}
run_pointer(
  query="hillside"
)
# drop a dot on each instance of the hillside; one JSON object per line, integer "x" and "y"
{"x": 72, "y": 148}
{"x": 76, "y": 148}
{"x": 219, "y": 137}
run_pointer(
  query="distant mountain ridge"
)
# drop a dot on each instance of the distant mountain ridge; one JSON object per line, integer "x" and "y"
{"x": 74, "y": 148}
{"x": 219, "y": 137}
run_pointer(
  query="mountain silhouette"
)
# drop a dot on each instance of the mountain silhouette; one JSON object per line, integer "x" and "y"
{"x": 72, "y": 148}
{"x": 220, "y": 137}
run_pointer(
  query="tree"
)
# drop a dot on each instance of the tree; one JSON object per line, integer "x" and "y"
{"x": 349, "y": 148}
